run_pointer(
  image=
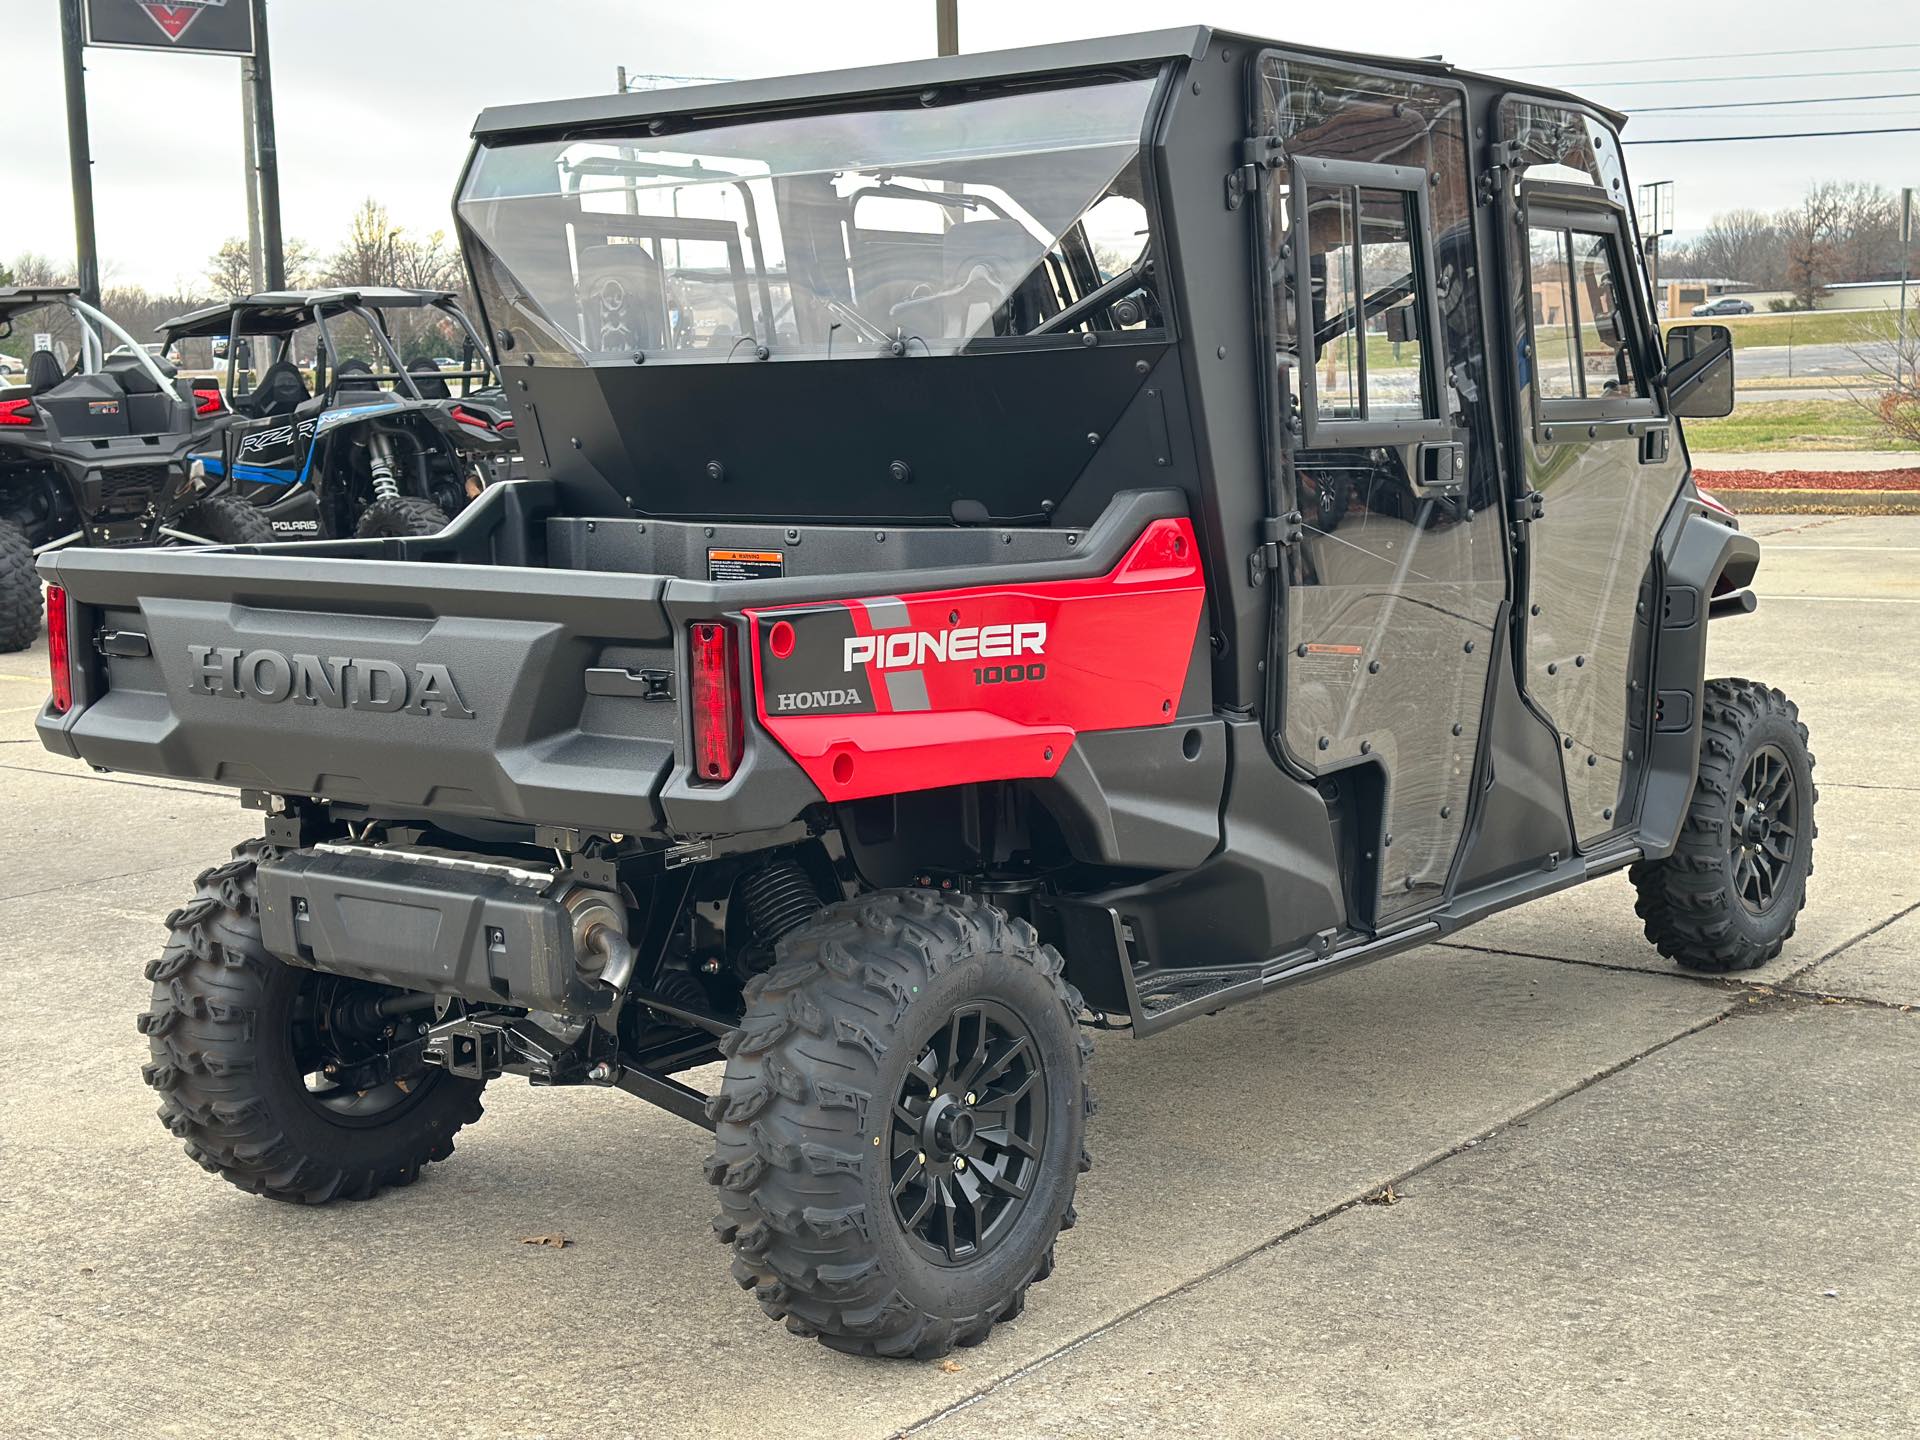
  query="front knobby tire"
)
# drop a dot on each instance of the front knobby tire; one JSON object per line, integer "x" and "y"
{"x": 233, "y": 1031}
{"x": 866, "y": 1202}
{"x": 1729, "y": 895}
{"x": 20, "y": 606}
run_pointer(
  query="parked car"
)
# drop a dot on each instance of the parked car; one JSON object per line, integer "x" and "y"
{"x": 1725, "y": 305}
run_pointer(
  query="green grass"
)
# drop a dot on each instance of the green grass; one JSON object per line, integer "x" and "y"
{"x": 1807, "y": 327}
{"x": 1790, "y": 425}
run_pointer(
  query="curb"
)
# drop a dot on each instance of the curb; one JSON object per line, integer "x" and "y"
{"x": 1821, "y": 502}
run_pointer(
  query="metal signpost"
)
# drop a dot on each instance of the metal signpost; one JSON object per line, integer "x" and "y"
{"x": 192, "y": 27}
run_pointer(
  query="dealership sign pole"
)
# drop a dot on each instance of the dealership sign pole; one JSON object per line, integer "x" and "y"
{"x": 192, "y": 27}
{"x": 79, "y": 154}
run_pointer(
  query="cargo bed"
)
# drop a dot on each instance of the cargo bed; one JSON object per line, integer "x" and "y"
{"x": 521, "y": 666}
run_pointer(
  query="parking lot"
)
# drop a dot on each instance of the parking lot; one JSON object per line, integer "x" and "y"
{"x": 1623, "y": 1200}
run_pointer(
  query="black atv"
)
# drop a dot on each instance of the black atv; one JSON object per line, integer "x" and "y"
{"x": 329, "y": 433}
{"x": 93, "y": 451}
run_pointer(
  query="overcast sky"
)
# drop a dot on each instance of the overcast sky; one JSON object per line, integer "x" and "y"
{"x": 375, "y": 97}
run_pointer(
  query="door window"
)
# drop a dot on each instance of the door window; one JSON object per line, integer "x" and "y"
{"x": 1583, "y": 349}
{"x": 1363, "y": 289}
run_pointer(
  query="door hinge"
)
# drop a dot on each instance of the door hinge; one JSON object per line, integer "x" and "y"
{"x": 1242, "y": 181}
{"x": 1256, "y": 154}
{"x": 1275, "y": 536}
{"x": 1529, "y": 507}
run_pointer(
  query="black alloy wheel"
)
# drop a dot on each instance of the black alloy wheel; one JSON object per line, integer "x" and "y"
{"x": 1765, "y": 829}
{"x": 969, "y": 1128}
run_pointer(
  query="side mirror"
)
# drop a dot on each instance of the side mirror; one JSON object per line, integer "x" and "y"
{"x": 1700, "y": 371}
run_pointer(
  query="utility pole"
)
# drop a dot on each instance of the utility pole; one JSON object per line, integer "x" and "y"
{"x": 1906, "y": 265}
{"x": 253, "y": 177}
{"x": 946, "y": 25}
{"x": 273, "y": 256}
{"x": 79, "y": 151}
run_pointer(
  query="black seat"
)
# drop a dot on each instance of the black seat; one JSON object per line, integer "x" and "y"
{"x": 280, "y": 390}
{"x": 428, "y": 380}
{"x": 355, "y": 375}
{"x": 131, "y": 375}
{"x": 43, "y": 371}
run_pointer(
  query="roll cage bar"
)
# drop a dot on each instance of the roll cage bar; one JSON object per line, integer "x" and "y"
{"x": 91, "y": 323}
{"x": 317, "y": 310}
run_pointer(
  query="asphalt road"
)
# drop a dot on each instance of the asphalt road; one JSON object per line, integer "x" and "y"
{"x": 1753, "y": 362}
{"x": 1629, "y": 1202}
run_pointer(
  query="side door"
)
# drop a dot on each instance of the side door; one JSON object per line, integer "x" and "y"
{"x": 1601, "y": 466}
{"x": 1395, "y": 582}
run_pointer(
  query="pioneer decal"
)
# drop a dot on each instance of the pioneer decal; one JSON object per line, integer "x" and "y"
{"x": 892, "y": 693}
{"x": 337, "y": 682}
{"x": 910, "y": 649}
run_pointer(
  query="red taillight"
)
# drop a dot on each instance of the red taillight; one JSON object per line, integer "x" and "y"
{"x": 208, "y": 401}
{"x": 717, "y": 731}
{"x": 16, "y": 412}
{"x": 59, "y": 652}
{"x": 467, "y": 417}
{"x": 1714, "y": 502}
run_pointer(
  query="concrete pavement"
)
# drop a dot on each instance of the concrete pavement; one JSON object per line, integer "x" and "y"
{"x": 1624, "y": 1192}
{"x": 1853, "y": 462}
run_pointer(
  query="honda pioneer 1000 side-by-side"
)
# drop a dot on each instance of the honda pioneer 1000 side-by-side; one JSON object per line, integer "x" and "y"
{"x": 329, "y": 431}
{"x": 93, "y": 447}
{"x": 1017, "y": 543}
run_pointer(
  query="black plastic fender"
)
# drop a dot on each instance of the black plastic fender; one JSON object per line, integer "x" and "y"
{"x": 1699, "y": 550}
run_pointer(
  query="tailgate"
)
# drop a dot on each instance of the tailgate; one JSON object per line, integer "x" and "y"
{"x": 546, "y": 696}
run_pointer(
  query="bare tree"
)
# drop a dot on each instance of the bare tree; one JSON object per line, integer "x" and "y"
{"x": 1866, "y": 232}
{"x": 1809, "y": 232}
{"x": 230, "y": 270}
{"x": 1741, "y": 245}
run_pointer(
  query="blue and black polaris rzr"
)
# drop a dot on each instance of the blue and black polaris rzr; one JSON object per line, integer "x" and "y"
{"x": 327, "y": 430}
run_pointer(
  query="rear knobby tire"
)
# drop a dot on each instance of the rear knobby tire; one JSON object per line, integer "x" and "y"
{"x": 223, "y": 1061}
{"x": 401, "y": 515}
{"x": 227, "y": 521}
{"x": 20, "y": 605}
{"x": 1705, "y": 905}
{"x": 825, "y": 1078}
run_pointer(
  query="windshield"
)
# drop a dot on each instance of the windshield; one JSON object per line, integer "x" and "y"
{"x": 932, "y": 229}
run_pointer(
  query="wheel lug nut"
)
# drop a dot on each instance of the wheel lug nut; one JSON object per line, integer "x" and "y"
{"x": 971, "y": 1099}
{"x": 960, "y": 1163}
{"x": 923, "y": 1157}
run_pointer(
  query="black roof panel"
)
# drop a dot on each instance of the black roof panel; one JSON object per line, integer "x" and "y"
{"x": 278, "y": 311}
{"x": 15, "y": 299}
{"x": 591, "y": 111}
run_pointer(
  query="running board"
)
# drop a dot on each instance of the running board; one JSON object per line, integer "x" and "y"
{"x": 1100, "y": 949}
{"x": 1095, "y": 935}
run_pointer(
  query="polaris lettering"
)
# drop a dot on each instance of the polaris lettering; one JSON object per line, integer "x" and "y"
{"x": 901, "y": 649}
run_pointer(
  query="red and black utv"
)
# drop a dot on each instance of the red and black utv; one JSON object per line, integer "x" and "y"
{"x": 1020, "y": 543}
{"x": 93, "y": 450}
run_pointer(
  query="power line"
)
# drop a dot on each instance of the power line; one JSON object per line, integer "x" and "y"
{"x": 1771, "y": 104}
{"x": 1789, "y": 135}
{"x": 1729, "y": 79}
{"x": 1725, "y": 55}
